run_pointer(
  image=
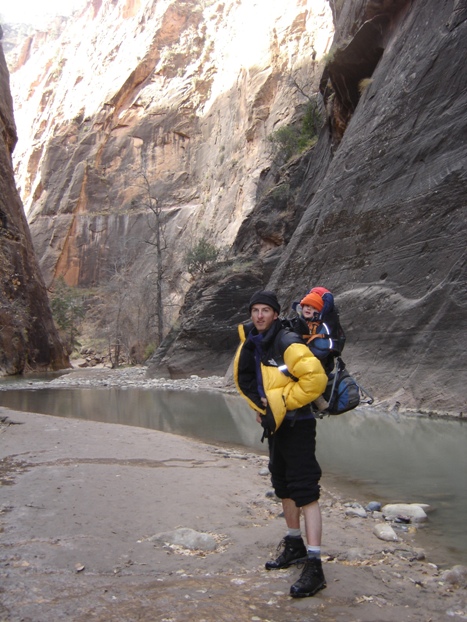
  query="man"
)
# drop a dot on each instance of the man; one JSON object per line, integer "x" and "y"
{"x": 279, "y": 377}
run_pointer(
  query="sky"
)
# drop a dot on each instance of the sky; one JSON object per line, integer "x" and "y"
{"x": 34, "y": 11}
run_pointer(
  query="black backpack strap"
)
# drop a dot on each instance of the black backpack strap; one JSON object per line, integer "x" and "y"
{"x": 340, "y": 366}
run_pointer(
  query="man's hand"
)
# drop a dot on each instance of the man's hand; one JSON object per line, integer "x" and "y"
{"x": 264, "y": 402}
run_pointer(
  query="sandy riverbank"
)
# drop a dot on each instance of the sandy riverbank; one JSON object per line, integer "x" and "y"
{"x": 82, "y": 502}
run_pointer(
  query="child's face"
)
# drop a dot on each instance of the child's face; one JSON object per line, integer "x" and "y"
{"x": 308, "y": 311}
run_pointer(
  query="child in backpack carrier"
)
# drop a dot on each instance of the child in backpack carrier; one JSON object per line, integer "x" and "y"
{"x": 318, "y": 324}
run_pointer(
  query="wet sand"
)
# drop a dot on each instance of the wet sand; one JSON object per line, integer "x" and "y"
{"x": 82, "y": 502}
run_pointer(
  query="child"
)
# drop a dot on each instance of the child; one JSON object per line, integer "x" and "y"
{"x": 319, "y": 301}
{"x": 318, "y": 324}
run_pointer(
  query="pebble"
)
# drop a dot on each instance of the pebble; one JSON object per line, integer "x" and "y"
{"x": 457, "y": 575}
{"x": 356, "y": 510}
{"x": 385, "y": 532}
{"x": 124, "y": 377}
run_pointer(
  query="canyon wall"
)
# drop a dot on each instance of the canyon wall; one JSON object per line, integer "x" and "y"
{"x": 386, "y": 226}
{"x": 383, "y": 201}
{"x": 28, "y": 338}
{"x": 173, "y": 102}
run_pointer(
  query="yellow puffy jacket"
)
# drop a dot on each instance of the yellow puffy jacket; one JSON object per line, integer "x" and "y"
{"x": 287, "y": 388}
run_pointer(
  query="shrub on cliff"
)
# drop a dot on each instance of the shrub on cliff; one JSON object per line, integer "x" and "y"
{"x": 290, "y": 140}
{"x": 200, "y": 256}
{"x": 68, "y": 311}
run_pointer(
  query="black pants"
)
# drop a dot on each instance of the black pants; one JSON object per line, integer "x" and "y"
{"x": 295, "y": 472}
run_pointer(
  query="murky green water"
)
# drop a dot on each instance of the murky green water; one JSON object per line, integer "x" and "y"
{"x": 380, "y": 456}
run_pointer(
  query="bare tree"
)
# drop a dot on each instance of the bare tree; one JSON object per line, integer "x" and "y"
{"x": 132, "y": 306}
{"x": 155, "y": 239}
{"x": 117, "y": 307}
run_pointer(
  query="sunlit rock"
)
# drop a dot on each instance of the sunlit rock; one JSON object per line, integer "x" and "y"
{"x": 409, "y": 512}
{"x": 385, "y": 532}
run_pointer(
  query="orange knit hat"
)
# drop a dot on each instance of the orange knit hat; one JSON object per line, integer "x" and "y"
{"x": 313, "y": 299}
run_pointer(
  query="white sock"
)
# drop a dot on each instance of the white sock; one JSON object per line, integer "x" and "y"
{"x": 294, "y": 533}
{"x": 313, "y": 551}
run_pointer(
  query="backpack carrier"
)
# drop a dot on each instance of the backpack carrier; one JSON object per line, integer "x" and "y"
{"x": 325, "y": 337}
{"x": 326, "y": 340}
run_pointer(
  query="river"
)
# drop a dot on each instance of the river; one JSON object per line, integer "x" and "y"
{"x": 375, "y": 455}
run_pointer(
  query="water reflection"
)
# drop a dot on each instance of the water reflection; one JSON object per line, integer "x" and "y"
{"x": 210, "y": 417}
{"x": 406, "y": 459}
{"x": 424, "y": 453}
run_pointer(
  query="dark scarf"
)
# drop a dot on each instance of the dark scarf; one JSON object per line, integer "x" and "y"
{"x": 257, "y": 341}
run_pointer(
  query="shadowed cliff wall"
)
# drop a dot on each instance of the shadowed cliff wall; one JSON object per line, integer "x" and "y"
{"x": 28, "y": 338}
{"x": 386, "y": 227}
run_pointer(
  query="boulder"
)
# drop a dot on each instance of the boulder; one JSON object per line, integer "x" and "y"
{"x": 409, "y": 512}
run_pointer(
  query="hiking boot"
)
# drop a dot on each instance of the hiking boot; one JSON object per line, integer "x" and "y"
{"x": 294, "y": 552}
{"x": 311, "y": 580}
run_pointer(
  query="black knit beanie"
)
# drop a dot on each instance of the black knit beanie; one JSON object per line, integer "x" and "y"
{"x": 265, "y": 297}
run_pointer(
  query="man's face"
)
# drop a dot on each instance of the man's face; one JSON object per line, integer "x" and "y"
{"x": 263, "y": 316}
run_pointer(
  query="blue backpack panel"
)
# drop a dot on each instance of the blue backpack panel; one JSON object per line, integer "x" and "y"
{"x": 344, "y": 393}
